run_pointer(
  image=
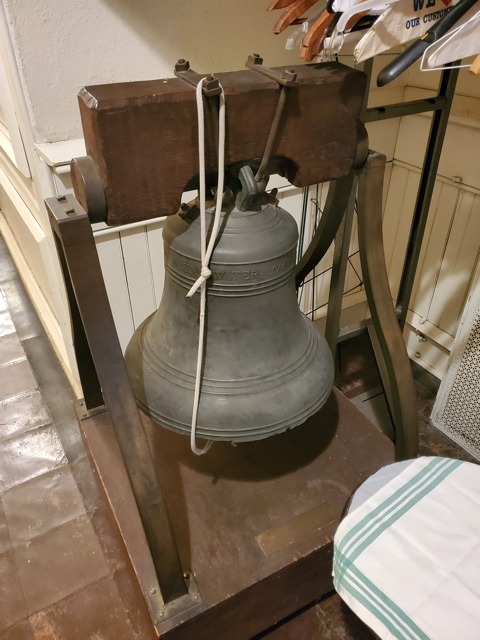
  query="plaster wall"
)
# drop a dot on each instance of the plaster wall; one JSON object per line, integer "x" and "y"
{"x": 61, "y": 46}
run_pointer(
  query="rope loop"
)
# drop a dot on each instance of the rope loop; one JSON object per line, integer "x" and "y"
{"x": 206, "y": 252}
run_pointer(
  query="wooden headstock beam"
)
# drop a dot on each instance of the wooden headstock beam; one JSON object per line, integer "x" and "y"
{"x": 142, "y": 136}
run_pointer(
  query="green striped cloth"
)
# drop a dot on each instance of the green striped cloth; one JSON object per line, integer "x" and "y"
{"x": 407, "y": 560}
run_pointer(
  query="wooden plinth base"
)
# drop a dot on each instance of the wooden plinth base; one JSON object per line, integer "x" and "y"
{"x": 254, "y": 523}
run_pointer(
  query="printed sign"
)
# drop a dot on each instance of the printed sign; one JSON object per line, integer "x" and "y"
{"x": 403, "y": 21}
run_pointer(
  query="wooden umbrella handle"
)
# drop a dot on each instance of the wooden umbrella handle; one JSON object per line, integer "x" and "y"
{"x": 313, "y": 41}
{"x": 475, "y": 68}
{"x": 315, "y": 49}
{"x": 279, "y": 4}
{"x": 294, "y": 11}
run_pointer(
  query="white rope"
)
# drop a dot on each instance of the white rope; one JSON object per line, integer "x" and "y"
{"x": 206, "y": 252}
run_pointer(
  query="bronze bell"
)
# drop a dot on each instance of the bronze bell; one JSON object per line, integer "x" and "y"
{"x": 266, "y": 366}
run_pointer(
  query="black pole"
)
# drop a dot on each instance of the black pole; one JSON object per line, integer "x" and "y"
{"x": 425, "y": 191}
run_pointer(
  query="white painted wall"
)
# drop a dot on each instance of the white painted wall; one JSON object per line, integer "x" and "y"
{"x": 62, "y": 46}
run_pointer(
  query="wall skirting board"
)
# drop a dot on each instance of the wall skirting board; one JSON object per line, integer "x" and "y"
{"x": 48, "y": 319}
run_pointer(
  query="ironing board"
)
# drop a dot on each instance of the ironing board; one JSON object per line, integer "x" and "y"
{"x": 407, "y": 556}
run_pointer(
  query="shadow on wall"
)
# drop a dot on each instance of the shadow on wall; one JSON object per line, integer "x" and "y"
{"x": 214, "y": 35}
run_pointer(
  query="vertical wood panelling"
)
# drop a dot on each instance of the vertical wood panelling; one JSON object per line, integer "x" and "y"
{"x": 314, "y": 294}
{"x": 111, "y": 260}
{"x": 155, "y": 246}
{"x": 434, "y": 247}
{"x": 321, "y": 285}
{"x": 399, "y": 245}
{"x": 427, "y": 243}
{"x": 447, "y": 260}
{"x": 458, "y": 264}
{"x": 138, "y": 268}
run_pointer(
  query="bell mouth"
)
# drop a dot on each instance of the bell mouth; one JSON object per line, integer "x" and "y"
{"x": 240, "y": 410}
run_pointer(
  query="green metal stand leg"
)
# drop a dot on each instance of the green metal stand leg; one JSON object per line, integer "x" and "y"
{"x": 385, "y": 320}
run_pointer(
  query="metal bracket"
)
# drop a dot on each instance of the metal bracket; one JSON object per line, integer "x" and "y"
{"x": 287, "y": 79}
{"x": 83, "y": 413}
{"x": 210, "y": 87}
{"x": 191, "y": 603}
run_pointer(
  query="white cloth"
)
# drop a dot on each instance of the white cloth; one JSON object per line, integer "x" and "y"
{"x": 403, "y": 21}
{"x": 465, "y": 42}
{"x": 407, "y": 560}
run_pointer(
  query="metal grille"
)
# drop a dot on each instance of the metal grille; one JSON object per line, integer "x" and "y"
{"x": 457, "y": 409}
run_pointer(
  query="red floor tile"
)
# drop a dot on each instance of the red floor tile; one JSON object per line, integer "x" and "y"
{"x": 22, "y": 413}
{"x": 16, "y": 378}
{"x": 28, "y": 455}
{"x": 11, "y": 349}
{"x": 12, "y": 602}
{"x": 96, "y": 612}
{"x": 6, "y": 324}
{"x": 40, "y": 504}
{"x": 59, "y": 562}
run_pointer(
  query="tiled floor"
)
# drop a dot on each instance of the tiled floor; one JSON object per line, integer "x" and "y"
{"x": 63, "y": 575}
{"x": 62, "y": 571}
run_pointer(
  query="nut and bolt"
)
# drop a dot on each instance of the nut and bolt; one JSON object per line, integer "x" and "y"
{"x": 182, "y": 65}
{"x": 256, "y": 59}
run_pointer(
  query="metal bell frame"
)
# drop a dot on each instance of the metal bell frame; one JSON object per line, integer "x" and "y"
{"x": 138, "y": 506}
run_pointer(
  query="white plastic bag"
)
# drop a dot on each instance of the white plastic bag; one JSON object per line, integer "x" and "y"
{"x": 405, "y": 20}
